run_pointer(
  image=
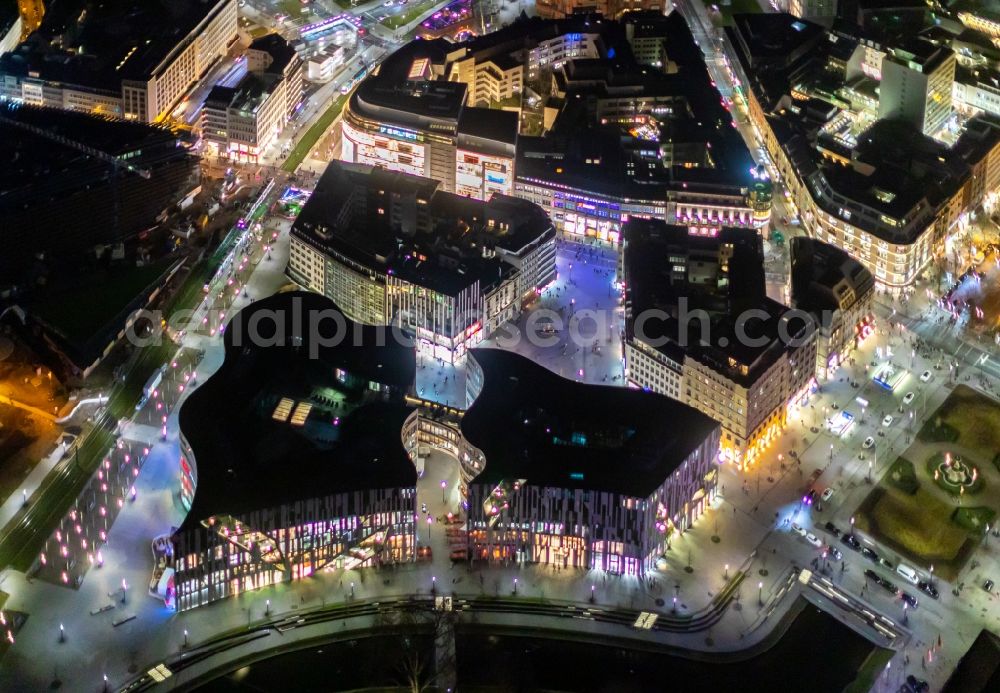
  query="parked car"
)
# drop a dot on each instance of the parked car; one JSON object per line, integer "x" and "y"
{"x": 852, "y": 541}
{"x": 869, "y": 441}
{"x": 827, "y": 494}
{"x": 834, "y": 553}
{"x": 869, "y": 554}
{"x": 928, "y": 589}
{"x": 908, "y": 573}
{"x": 908, "y": 397}
{"x": 798, "y": 530}
{"x": 832, "y": 529}
{"x": 917, "y": 685}
{"x": 813, "y": 539}
{"x": 881, "y": 581}
{"x": 809, "y": 497}
{"x": 887, "y": 421}
{"x": 988, "y": 585}
{"x": 926, "y": 376}
{"x": 910, "y": 600}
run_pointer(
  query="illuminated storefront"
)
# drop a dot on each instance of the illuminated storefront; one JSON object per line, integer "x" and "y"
{"x": 481, "y": 175}
{"x": 392, "y": 148}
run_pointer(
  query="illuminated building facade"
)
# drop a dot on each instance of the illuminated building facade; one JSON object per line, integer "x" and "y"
{"x": 685, "y": 297}
{"x": 10, "y": 27}
{"x": 241, "y": 122}
{"x": 839, "y": 293}
{"x": 613, "y": 9}
{"x": 297, "y": 462}
{"x": 850, "y": 182}
{"x": 405, "y": 120}
{"x": 580, "y": 476}
{"x": 141, "y": 77}
{"x": 391, "y": 248}
{"x": 618, "y": 138}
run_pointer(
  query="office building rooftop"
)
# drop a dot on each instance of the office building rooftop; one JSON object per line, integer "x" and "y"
{"x": 275, "y": 424}
{"x": 535, "y": 425}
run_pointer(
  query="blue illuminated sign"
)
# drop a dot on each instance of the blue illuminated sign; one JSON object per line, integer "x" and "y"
{"x": 396, "y": 132}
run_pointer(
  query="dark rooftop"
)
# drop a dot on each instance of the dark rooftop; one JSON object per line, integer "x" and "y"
{"x": 280, "y": 50}
{"x": 724, "y": 289}
{"x": 489, "y": 124}
{"x": 105, "y": 42}
{"x": 532, "y": 424}
{"x": 446, "y": 254}
{"x": 248, "y": 459}
{"x": 823, "y": 275}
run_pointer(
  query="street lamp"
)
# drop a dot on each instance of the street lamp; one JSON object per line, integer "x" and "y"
{"x": 726, "y": 575}
{"x": 444, "y": 485}
{"x": 352, "y": 590}
{"x": 267, "y": 607}
{"x": 434, "y": 581}
{"x": 62, "y": 633}
{"x": 429, "y": 528}
{"x": 592, "y": 594}
{"x": 760, "y": 594}
{"x": 869, "y": 471}
{"x": 515, "y": 586}
{"x": 185, "y": 637}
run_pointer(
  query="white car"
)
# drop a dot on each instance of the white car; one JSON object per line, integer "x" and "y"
{"x": 813, "y": 539}
{"x": 798, "y": 530}
{"x": 887, "y": 421}
{"x": 926, "y": 376}
{"x": 908, "y": 397}
{"x": 827, "y": 494}
{"x": 869, "y": 441}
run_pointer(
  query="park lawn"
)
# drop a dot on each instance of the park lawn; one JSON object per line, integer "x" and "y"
{"x": 975, "y": 416}
{"x": 974, "y": 520}
{"x": 313, "y": 134}
{"x": 904, "y": 476}
{"x": 411, "y": 13}
{"x": 919, "y": 524}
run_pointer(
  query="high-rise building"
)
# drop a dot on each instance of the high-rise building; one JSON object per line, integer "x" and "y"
{"x": 917, "y": 84}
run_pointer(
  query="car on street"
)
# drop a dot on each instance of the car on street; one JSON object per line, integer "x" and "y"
{"x": 915, "y": 685}
{"x": 881, "y": 581}
{"x": 827, "y": 494}
{"x": 798, "y": 530}
{"x": 852, "y": 541}
{"x": 813, "y": 539}
{"x": 926, "y": 376}
{"x": 834, "y": 553}
{"x": 869, "y": 554}
{"x": 988, "y": 585}
{"x": 928, "y": 589}
{"x": 832, "y": 529}
{"x": 887, "y": 421}
{"x": 910, "y": 600}
{"x": 885, "y": 563}
{"x": 908, "y": 397}
{"x": 869, "y": 441}
{"x": 809, "y": 497}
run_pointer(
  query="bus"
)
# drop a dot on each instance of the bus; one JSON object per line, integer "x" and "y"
{"x": 150, "y": 387}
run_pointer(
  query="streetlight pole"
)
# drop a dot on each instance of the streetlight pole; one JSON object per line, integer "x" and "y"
{"x": 444, "y": 485}
{"x": 760, "y": 594}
